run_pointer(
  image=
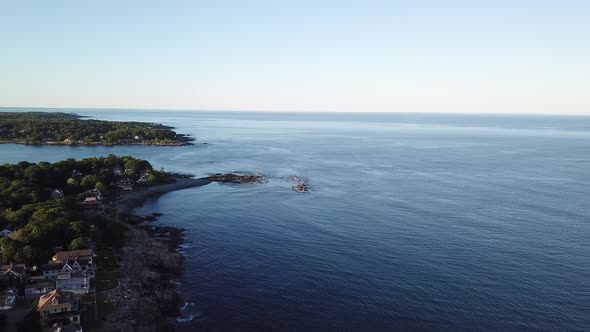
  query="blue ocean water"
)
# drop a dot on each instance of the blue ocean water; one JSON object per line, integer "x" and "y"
{"x": 414, "y": 222}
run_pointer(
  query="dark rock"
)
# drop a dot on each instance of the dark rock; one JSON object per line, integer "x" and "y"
{"x": 235, "y": 178}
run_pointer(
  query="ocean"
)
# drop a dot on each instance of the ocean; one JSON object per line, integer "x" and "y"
{"x": 422, "y": 222}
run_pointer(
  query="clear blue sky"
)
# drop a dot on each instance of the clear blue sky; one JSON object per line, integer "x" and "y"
{"x": 405, "y": 56}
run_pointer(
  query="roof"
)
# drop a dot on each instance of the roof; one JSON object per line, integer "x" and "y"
{"x": 63, "y": 256}
{"x": 18, "y": 268}
{"x": 54, "y": 299}
{"x": 81, "y": 261}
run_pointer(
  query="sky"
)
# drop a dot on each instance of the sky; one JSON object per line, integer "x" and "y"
{"x": 350, "y": 56}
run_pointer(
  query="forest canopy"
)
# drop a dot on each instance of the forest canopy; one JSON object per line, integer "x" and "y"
{"x": 41, "y": 220}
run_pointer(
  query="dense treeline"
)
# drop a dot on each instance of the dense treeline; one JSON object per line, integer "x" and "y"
{"x": 39, "y": 115}
{"x": 67, "y": 128}
{"x": 42, "y": 222}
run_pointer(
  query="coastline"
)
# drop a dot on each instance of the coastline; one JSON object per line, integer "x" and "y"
{"x": 146, "y": 299}
{"x": 128, "y": 203}
{"x": 150, "y": 143}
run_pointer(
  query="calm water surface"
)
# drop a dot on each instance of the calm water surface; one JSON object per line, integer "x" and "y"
{"x": 415, "y": 222}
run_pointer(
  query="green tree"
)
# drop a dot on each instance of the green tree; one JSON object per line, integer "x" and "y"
{"x": 78, "y": 243}
{"x": 89, "y": 181}
{"x": 25, "y": 254}
{"x": 9, "y": 248}
{"x": 78, "y": 228}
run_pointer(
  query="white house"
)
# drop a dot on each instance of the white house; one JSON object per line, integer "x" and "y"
{"x": 52, "y": 270}
{"x": 57, "y": 193}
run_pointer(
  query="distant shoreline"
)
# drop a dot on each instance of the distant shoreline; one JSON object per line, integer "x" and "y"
{"x": 69, "y": 129}
{"x": 150, "y": 143}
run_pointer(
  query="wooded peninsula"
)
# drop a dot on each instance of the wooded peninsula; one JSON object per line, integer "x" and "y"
{"x": 67, "y": 230}
{"x": 44, "y": 203}
{"x": 72, "y": 129}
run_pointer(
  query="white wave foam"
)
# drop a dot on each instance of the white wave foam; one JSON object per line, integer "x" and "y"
{"x": 189, "y": 312}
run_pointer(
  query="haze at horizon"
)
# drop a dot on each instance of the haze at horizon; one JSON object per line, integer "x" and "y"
{"x": 530, "y": 57}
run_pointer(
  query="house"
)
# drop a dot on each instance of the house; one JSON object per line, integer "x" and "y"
{"x": 92, "y": 205}
{"x": 75, "y": 282}
{"x": 7, "y": 300}
{"x": 57, "y": 194}
{"x": 5, "y": 232}
{"x": 91, "y": 200}
{"x": 76, "y": 174}
{"x": 144, "y": 178}
{"x": 96, "y": 193}
{"x": 64, "y": 256}
{"x": 34, "y": 291}
{"x": 58, "y": 306}
{"x": 117, "y": 171}
{"x": 80, "y": 265}
{"x": 51, "y": 270}
{"x": 13, "y": 275}
{"x": 125, "y": 184}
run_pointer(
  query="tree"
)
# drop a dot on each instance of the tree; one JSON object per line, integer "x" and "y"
{"x": 9, "y": 248}
{"x": 78, "y": 243}
{"x": 26, "y": 254}
{"x": 100, "y": 186}
{"x": 78, "y": 228}
{"x": 89, "y": 181}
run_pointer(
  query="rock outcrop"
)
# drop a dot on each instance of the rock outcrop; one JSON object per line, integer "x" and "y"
{"x": 236, "y": 178}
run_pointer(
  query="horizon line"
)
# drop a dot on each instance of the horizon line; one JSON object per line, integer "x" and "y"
{"x": 275, "y": 111}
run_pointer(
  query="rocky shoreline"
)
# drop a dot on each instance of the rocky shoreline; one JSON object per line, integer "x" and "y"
{"x": 146, "y": 299}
